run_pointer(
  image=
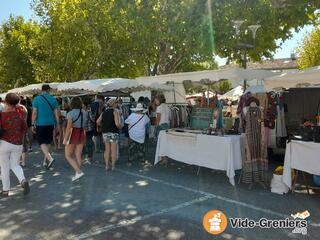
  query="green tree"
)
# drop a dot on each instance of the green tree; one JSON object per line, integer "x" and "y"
{"x": 84, "y": 39}
{"x": 309, "y": 51}
{"x": 17, "y": 52}
{"x": 224, "y": 86}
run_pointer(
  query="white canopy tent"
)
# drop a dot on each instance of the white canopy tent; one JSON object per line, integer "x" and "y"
{"x": 32, "y": 89}
{"x": 304, "y": 78}
{"x": 3, "y": 95}
{"x": 235, "y": 75}
{"x": 256, "y": 89}
{"x": 108, "y": 85}
{"x": 233, "y": 94}
{"x": 99, "y": 85}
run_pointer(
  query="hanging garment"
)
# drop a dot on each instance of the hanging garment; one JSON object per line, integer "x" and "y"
{"x": 255, "y": 166}
{"x": 281, "y": 130}
{"x": 271, "y": 111}
{"x": 240, "y": 111}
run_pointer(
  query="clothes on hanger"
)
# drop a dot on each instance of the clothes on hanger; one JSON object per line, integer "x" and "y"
{"x": 255, "y": 166}
{"x": 240, "y": 111}
{"x": 179, "y": 116}
{"x": 281, "y": 130}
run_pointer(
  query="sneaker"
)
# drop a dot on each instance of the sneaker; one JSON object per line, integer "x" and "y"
{"x": 4, "y": 194}
{"x": 86, "y": 161}
{"x": 44, "y": 163}
{"x": 50, "y": 163}
{"x": 77, "y": 176}
{"x": 26, "y": 187}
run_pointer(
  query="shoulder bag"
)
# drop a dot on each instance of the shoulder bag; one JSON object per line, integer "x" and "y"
{"x": 1, "y": 129}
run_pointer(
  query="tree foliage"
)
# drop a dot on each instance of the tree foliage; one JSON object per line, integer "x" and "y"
{"x": 309, "y": 51}
{"x": 18, "y": 52}
{"x": 84, "y": 39}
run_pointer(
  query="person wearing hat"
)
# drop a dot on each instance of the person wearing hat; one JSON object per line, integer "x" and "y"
{"x": 45, "y": 115}
{"x": 137, "y": 122}
{"x": 110, "y": 124}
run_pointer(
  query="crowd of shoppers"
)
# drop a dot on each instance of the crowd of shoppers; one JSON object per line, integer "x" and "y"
{"x": 82, "y": 126}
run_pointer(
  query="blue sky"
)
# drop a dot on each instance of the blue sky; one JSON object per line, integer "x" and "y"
{"x": 22, "y": 7}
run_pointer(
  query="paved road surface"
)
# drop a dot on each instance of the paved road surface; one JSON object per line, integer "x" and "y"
{"x": 141, "y": 203}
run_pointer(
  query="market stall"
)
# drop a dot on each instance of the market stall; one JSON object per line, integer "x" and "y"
{"x": 214, "y": 152}
{"x": 301, "y": 94}
{"x": 302, "y": 156}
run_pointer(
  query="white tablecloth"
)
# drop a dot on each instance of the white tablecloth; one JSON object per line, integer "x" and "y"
{"x": 220, "y": 153}
{"x": 304, "y": 156}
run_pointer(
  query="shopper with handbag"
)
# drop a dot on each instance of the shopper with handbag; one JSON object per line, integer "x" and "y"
{"x": 75, "y": 136}
{"x": 13, "y": 129}
{"x": 45, "y": 116}
{"x": 110, "y": 124}
{"x": 137, "y": 122}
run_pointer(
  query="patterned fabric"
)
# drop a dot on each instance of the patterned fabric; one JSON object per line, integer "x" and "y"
{"x": 240, "y": 111}
{"x": 271, "y": 111}
{"x": 14, "y": 127}
{"x": 110, "y": 137}
{"x": 136, "y": 151}
{"x": 255, "y": 166}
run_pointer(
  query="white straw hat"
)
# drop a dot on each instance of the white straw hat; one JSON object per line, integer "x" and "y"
{"x": 139, "y": 108}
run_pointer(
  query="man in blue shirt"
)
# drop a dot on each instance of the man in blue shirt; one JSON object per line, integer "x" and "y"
{"x": 45, "y": 115}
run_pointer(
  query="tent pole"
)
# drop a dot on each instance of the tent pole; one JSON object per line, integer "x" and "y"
{"x": 174, "y": 93}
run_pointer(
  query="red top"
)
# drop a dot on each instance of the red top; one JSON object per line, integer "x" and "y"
{"x": 14, "y": 127}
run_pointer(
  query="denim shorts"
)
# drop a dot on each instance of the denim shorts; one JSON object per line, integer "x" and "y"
{"x": 110, "y": 137}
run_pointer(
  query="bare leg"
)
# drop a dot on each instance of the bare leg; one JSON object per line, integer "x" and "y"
{"x": 60, "y": 140}
{"x": 46, "y": 151}
{"x": 55, "y": 139}
{"x": 78, "y": 153}
{"x": 114, "y": 154}
{"x": 69, "y": 151}
{"x": 107, "y": 154}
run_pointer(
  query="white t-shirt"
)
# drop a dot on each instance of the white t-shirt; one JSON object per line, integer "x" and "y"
{"x": 138, "y": 132}
{"x": 164, "y": 110}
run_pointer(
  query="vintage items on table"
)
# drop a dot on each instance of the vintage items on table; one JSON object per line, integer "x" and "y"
{"x": 201, "y": 118}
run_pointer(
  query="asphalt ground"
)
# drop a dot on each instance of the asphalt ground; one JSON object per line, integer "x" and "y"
{"x": 142, "y": 202}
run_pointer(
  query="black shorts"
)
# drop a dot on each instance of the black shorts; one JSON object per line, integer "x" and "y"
{"x": 45, "y": 134}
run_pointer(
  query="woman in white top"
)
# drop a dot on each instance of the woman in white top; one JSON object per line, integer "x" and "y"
{"x": 137, "y": 122}
{"x": 163, "y": 114}
{"x": 163, "y": 119}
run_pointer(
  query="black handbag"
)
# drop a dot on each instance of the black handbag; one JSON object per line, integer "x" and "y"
{"x": 125, "y": 130}
{"x": 1, "y": 129}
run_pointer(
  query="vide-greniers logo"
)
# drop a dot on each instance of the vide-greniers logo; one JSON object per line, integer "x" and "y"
{"x": 215, "y": 222}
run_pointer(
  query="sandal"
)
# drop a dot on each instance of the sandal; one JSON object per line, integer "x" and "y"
{"x": 4, "y": 193}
